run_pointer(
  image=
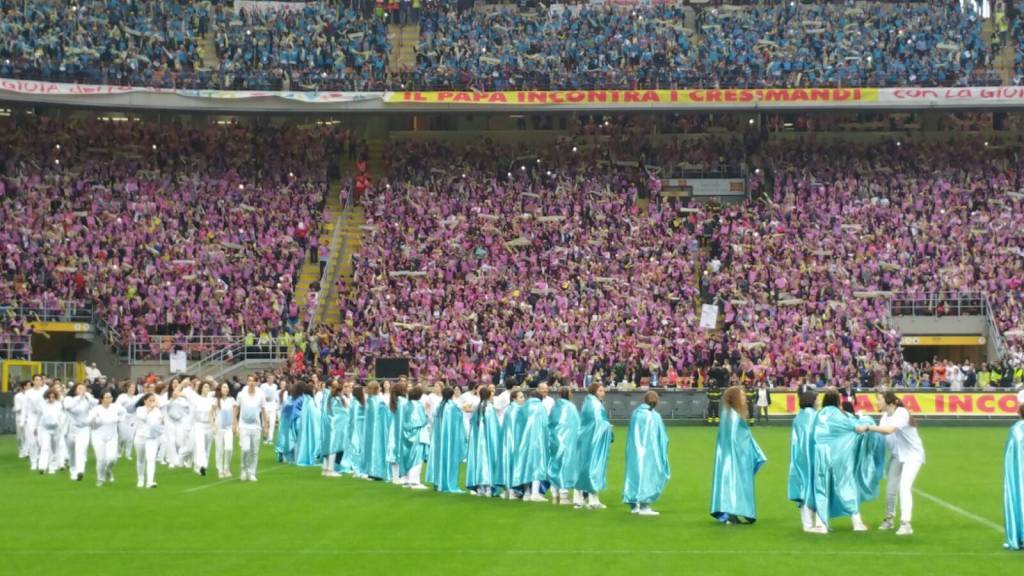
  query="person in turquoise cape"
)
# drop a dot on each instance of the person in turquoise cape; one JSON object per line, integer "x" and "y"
{"x": 309, "y": 433}
{"x": 375, "y": 435}
{"x": 396, "y": 411}
{"x": 448, "y": 445}
{"x": 737, "y": 460}
{"x": 352, "y": 460}
{"x": 484, "y": 457}
{"x": 284, "y": 444}
{"x": 1013, "y": 485}
{"x": 505, "y": 473}
{"x": 324, "y": 398}
{"x": 869, "y": 460}
{"x": 835, "y": 449}
{"x": 413, "y": 447}
{"x": 647, "y": 467}
{"x": 563, "y": 446}
{"x": 339, "y": 412}
{"x": 800, "y": 487}
{"x": 531, "y": 439}
{"x": 594, "y": 445}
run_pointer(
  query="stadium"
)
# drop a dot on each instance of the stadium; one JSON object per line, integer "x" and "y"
{"x": 476, "y": 287}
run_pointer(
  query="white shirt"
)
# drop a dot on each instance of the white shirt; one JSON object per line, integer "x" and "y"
{"x": 907, "y": 446}
{"x": 78, "y": 408}
{"x": 501, "y": 402}
{"x": 104, "y": 421}
{"x": 549, "y": 404}
{"x": 270, "y": 394}
{"x": 92, "y": 373}
{"x": 127, "y": 401}
{"x": 20, "y": 412}
{"x": 468, "y": 403}
{"x": 179, "y": 410}
{"x": 225, "y": 413}
{"x": 250, "y": 409}
{"x": 201, "y": 406}
{"x": 149, "y": 424}
{"x": 762, "y": 398}
{"x": 50, "y": 415}
{"x": 34, "y": 403}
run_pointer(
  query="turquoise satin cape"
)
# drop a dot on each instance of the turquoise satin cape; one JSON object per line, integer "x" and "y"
{"x": 531, "y": 438}
{"x": 352, "y": 460}
{"x": 737, "y": 460}
{"x": 869, "y": 461}
{"x": 484, "y": 457}
{"x": 411, "y": 450}
{"x": 340, "y": 428}
{"x": 375, "y": 439}
{"x": 800, "y": 488}
{"x": 310, "y": 433}
{"x": 835, "y": 447}
{"x": 447, "y": 449}
{"x": 395, "y": 429}
{"x": 563, "y": 444}
{"x": 504, "y": 474}
{"x": 647, "y": 468}
{"x": 284, "y": 445}
{"x": 1013, "y": 487}
{"x": 594, "y": 444}
{"x": 326, "y": 430}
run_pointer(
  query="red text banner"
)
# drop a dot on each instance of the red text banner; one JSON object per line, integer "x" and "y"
{"x": 922, "y": 403}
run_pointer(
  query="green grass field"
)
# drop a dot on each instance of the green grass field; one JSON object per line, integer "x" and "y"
{"x": 296, "y": 522}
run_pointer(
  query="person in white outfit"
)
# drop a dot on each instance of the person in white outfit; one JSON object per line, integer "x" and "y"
{"x": 77, "y": 408}
{"x": 545, "y": 398}
{"x": 251, "y": 418}
{"x": 149, "y": 431}
{"x": 105, "y": 420}
{"x": 905, "y": 461}
{"x": 224, "y": 428}
{"x": 201, "y": 404}
{"x": 179, "y": 424}
{"x": 271, "y": 404}
{"x": 126, "y": 428}
{"x": 34, "y": 401}
{"x": 20, "y": 413}
{"x": 48, "y": 432}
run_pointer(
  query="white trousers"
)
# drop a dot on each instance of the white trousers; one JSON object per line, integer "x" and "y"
{"x": 169, "y": 447}
{"x": 79, "y": 440}
{"x": 225, "y": 443}
{"x": 49, "y": 442}
{"x": 146, "y": 450}
{"x": 271, "y": 423}
{"x": 61, "y": 455}
{"x": 22, "y": 439}
{"x": 413, "y": 477}
{"x": 125, "y": 437}
{"x": 32, "y": 442}
{"x": 184, "y": 444}
{"x": 202, "y": 437}
{"x": 900, "y": 486}
{"x": 807, "y": 517}
{"x": 249, "y": 444}
{"x": 105, "y": 450}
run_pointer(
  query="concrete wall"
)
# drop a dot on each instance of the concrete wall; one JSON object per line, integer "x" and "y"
{"x": 944, "y": 325}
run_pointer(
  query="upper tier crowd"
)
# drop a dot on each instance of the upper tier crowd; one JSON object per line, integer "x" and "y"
{"x": 163, "y": 229}
{"x": 345, "y": 45}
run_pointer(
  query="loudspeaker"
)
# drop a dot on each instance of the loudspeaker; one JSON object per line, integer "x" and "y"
{"x": 391, "y": 367}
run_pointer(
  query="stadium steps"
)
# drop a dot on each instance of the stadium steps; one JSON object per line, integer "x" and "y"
{"x": 207, "y": 49}
{"x": 310, "y": 273}
{"x": 403, "y": 46}
{"x": 351, "y": 240}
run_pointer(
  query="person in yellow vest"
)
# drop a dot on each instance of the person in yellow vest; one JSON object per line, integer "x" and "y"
{"x": 984, "y": 378}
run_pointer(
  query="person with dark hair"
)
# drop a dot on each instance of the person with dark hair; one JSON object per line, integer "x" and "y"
{"x": 77, "y": 408}
{"x": 647, "y": 467}
{"x": 352, "y": 460}
{"x": 1013, "y": 485}
{"x": 148, "y": 431}
{"x": 48, "y": 431}
{"x": 484, "y": 456}
{"x": 225, "y": 427}
{"x": 594, "y": 444}
{"x": 251, "y": 416}
{"x": 20, "y": 415}
{"x": 835, "y": 487}
{"x": 202, "y": 429}
{"x": 505, "y": 472}
{"x": 396, "y": 411}
{"x": 801, "y": 462}
{"x": 737, "y": 460}
{"x": 563, "y": 449}
{"x": 531, "y": 434}
{"x": 126, "y": 429}
{"x": 414, "y": 443}
{"x": 103, "y": 420}
{"x": 337, "y": 412}
{"x": 905, "y": 461}
{"x": 448, "y": 446}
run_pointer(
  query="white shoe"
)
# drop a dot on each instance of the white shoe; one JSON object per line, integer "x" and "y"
{"x": 816, "y": 530}
{"x": 417, "y": 486}
{"x": 141, "y": 484}
{"x": 860, "y": 527}
{"x": 535, "y": 498}
{"x": 252, "y": 478}
{"x": 634, "y": 510}
{"x": 905, "y": 529}
{"x": 595, "y": 503}
{"x": 563, "y": 498}
{"x": 886, "y": 524}
{"x": 645, "y": 511}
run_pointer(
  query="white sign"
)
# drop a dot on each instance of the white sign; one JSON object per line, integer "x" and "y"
{"x": 708, "y": 316}
{"x": 179, "y": 362}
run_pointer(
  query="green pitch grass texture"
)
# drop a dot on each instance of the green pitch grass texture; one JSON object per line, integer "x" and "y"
{"x": 295, "y": 522}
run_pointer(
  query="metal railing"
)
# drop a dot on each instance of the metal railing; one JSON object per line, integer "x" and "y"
{"x": 329, "y": 279}
{"x": 236, "y": 355}
{"x": 939, "y": 304}
{"x": 15, "y": 347}
{"x": 62, "y": 312}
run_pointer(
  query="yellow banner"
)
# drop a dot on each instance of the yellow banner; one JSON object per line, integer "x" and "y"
{"x": 942, "y": 341}
{"x": 923, "y": 403}
{"x": 727, "y": 97}
{"x": 61, "y": 326}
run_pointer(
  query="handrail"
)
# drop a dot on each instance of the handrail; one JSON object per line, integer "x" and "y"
{"x": 940, "y": 304}
{"x": 994, "y": 335}
{"x": 330, "y": 276}
{"x": 65, "y": 312}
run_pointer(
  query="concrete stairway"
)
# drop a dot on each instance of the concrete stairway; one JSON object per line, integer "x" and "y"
{"x": 403, "y": 43}
{"x": 352, "y": 239}
{"x": 310, "y": 272}
{"x": 207, "y": 49}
